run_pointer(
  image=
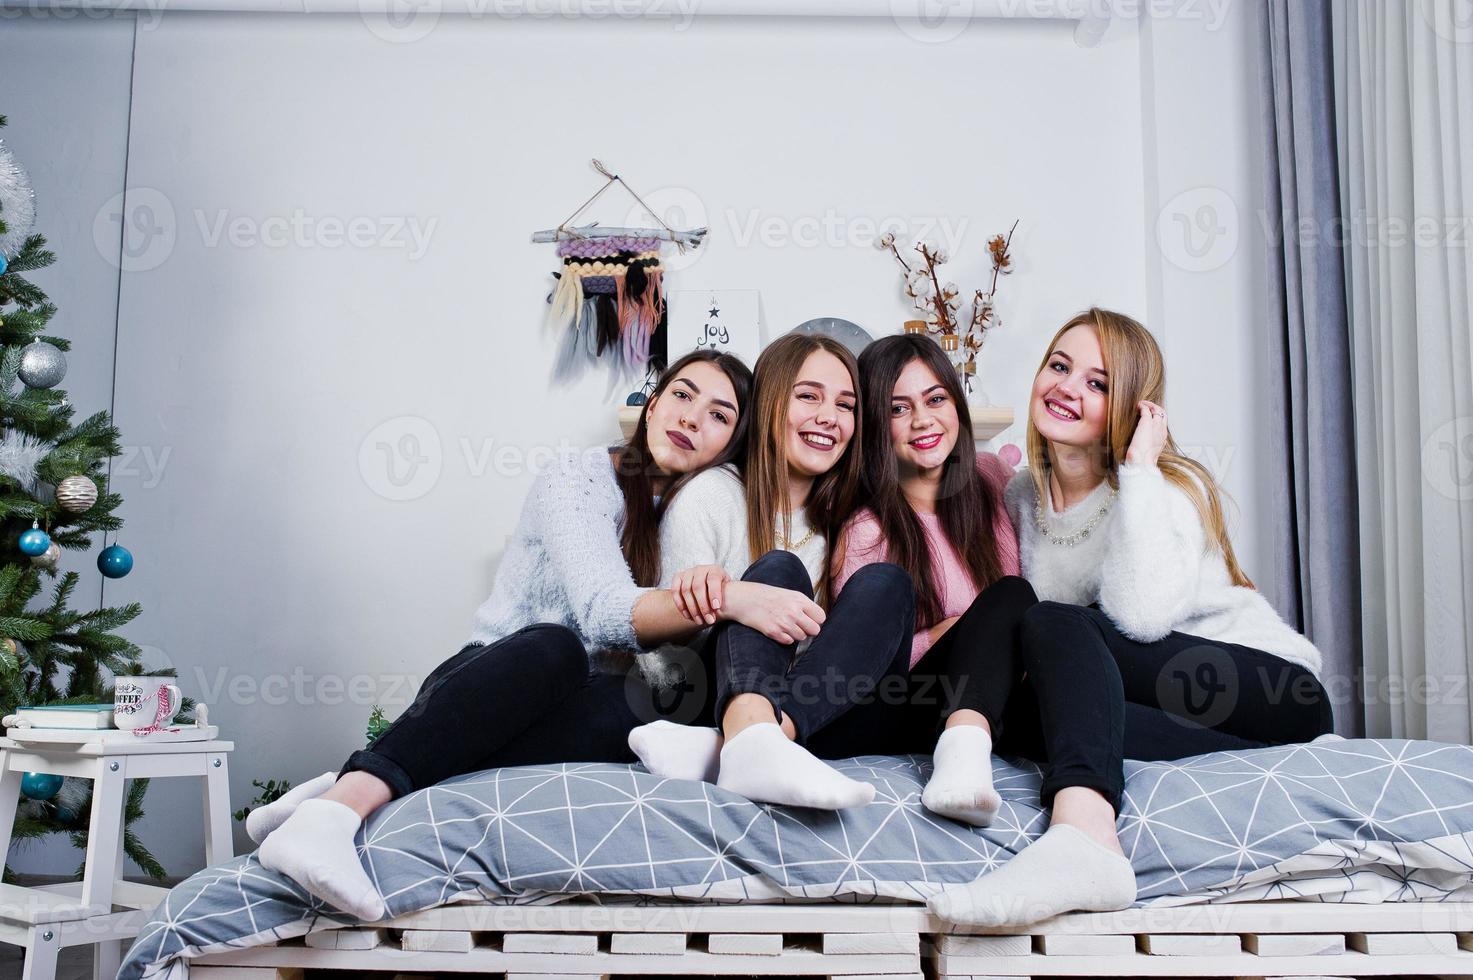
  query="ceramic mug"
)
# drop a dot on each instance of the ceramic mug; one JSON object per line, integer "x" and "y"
{"x": 136, "y": 702}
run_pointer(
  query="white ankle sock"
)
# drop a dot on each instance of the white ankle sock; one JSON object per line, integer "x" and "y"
{"x": 960, "y": 786}
{"x": 314, "y": 847}
{"x": 765, "y": 766}
{"x": 676, "y": 751}
{"x": 263, "y": 819}
{"x": 1065, "y": 870}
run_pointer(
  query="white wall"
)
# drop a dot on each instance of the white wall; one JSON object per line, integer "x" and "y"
{"x": 270, "y": 554}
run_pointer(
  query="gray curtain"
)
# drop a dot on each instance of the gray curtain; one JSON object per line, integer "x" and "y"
{"x": 1312, "y": 446}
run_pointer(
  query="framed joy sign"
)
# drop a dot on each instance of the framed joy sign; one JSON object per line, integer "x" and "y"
{"x": 724, "y": 319}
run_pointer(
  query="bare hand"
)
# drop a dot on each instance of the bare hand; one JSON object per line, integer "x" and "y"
{"x": 778, "y": 614}
{"x": 1150, "y": 435}
{"x": 939, "y": 630}
{"x": 698, "y": 592}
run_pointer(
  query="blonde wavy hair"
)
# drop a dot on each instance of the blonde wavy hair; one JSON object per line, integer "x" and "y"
{"x": 1137, "y": 373}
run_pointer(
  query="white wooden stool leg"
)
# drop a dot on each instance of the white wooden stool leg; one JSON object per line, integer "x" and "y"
{"x": 104, "y": 835}
{"x": 9, "y": 800}
{"x": 107, "y": 959}
{"x": 219, "y": 844}
{"x": 108, "y": 956}
{"x": 41, "y": 953}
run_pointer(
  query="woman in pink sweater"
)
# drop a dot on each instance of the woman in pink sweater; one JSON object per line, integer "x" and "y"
{"x": 935, "y": 508}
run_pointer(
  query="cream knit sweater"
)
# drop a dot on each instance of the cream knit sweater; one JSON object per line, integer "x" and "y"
{"x": 1148, "y": 564}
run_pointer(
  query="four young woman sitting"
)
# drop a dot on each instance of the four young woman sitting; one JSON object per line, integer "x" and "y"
{"x": 815, "y": 563}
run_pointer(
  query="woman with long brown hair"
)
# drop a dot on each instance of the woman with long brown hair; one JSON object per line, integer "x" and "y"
{"x": 1151, "y": 642}
{"x": 756, "y": 555}
{"x": 934, "y": 507}
{"x": 578, "y": 578}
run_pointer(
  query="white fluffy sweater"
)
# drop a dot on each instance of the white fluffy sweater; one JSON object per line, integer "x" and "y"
{"x": 1148, "y": 565}
{"x": 563, "y": 563}
{"x": 706, "y": 524}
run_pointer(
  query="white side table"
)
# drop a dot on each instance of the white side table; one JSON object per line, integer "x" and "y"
{"x": 101, "y": 909}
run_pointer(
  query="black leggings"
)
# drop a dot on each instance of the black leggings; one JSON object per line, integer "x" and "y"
{"x": 527, "y": 699}
{"x": 865, "y": 637}
{"x": 1061, "y": 684}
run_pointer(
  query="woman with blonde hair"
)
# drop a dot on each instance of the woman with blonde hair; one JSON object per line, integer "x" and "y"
{"x": 1151, "y": 642}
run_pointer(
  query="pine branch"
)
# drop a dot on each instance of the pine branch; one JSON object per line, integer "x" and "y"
{"x": 24, "y": 629}
{"x": 33, "y": 255}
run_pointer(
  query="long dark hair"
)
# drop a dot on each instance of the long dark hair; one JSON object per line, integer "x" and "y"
{"x": 635, "y": 472}
{"x": 833, "y": 495}
{"x": 966, "y": 504}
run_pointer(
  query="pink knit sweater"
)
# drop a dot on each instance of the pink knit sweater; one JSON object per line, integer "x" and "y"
{"x": 863, "y": 544}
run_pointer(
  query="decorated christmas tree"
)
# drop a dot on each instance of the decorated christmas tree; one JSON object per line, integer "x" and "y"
{"x": 50, "y": 470}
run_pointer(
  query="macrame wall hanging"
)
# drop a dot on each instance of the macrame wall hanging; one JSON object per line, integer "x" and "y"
{"x": 609, "y": 301}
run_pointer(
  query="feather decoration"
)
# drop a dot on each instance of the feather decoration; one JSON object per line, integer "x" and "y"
{"x": 19, "y": 456}
{"x": 608, "y": 303}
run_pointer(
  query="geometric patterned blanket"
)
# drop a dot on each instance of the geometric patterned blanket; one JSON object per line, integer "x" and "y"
{"x": 1342, "y": 821}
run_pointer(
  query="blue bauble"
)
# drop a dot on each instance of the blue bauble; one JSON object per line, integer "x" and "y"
{"x": 3, "y": 264}
{"x": 40, "y": 785}
{"x": 35, "y": 542}
{"x": 115, "y": 561}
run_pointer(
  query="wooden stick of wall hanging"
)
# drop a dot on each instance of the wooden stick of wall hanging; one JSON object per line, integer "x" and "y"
{"x": 609, "y": 299}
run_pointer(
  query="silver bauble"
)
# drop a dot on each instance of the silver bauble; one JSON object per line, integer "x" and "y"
{"x": 17, "y": 204}
{"x": 76, "y": 494}
{"x": 50, "y": 559}
{"x": 42, "y": 365}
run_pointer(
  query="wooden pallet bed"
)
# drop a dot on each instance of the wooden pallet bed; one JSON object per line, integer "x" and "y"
{"x": 893, "y": 942}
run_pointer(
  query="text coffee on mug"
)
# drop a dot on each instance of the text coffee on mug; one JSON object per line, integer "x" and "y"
{"x": 144, "y": 702}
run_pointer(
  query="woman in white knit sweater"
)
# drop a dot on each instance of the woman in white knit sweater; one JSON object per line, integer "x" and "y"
{"x": 579, "y": 577}
{"x": 1150, "y": 643}
{"x": 787, "y": 662}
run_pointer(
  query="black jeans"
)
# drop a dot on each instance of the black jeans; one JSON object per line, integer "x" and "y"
{"x": 527, "y": 699}
{"x": 1103, "y": 697}
{"x": 865, "y": 638}
{"x": 1061, "y": 685}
